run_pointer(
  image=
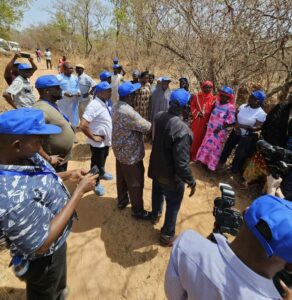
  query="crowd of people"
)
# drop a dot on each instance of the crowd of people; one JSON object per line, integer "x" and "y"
{"x": 37, "y": 137}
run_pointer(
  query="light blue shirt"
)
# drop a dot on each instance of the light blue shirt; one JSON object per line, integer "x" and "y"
{"x": 86, "y": 83}
{"x": 69, "y": 84}
{"x": 199, "y": 269}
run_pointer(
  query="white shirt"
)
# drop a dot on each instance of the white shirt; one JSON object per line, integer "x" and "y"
{"x": 100, "y": 122}
{"x": 48, "y": 55}
{"x": 86, "y": 83}
{"x": 116, "y": 81}
{"x": 22, "y": 91}
{"x": 249, "y": 116}
{"x": 199, "y": 269}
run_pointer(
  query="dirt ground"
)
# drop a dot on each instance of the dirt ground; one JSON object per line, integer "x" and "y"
{"x": 113, "y": 256}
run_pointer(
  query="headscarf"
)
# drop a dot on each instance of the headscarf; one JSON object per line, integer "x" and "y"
{"x": 207, "y": 83}
{"x": 226, "y": 90}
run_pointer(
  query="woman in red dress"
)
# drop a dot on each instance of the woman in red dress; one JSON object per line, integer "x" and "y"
{"x": 202, "y": 105}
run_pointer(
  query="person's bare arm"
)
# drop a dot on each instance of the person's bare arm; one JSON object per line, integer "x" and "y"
{"x": 84, "y": 125}
{"x": 34, "y": 66}
{"x": 7, "y": 71}
{"x": 61, "y": 220}
{"x": 52, "y": 159}
{"x": 9, "y": 99}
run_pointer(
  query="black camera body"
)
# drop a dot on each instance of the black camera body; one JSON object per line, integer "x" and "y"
{"x": 278, "y": 159}
{"x": 227, "y": 219}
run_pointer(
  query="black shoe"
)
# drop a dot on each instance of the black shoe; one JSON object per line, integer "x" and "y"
{"x": 155, "y": 219}
{"x": 166, "y": 240}
{"x": 145, "y": 215}
{"x": 122, "y": 205}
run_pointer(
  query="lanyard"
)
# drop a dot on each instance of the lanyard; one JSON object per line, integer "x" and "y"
{"x": 108, "y": 110}
{"x": 57, "y": 108}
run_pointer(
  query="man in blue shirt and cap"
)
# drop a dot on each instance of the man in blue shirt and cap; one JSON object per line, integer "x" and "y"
{"x": 20, "y": 92}
{"x": 169, "y": 164}
{"x": 36, "y": 209}
{"x": 96, "y": 124}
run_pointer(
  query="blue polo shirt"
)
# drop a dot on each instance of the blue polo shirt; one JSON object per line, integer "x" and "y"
{"x": 30, "y": 197}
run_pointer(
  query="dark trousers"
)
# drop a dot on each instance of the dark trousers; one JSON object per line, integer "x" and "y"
{"x": 46, "y": 278}
{"x": 62, "y": 168}
{"x": 49, "y": 64}
{"x": 98, "y": 158}
{"x": 246, "y": 147}
{"x": 130, "y": 184}
{"x": 173, "y": 200}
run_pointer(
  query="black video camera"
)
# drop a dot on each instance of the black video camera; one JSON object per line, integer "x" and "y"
{"x": 278, "y": 159}
{"x": 227, "y": 219}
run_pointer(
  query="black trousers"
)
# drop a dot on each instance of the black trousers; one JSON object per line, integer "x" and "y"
{"x": 130, "y": 184}
{"x": 46, "y": 278}
{"x": 98, "y": 158}
{"x": 49, "y": 64}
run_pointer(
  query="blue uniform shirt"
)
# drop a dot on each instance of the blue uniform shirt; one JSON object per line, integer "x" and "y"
{"x": 28, "y": 203}
{"x": 69, "y": 84}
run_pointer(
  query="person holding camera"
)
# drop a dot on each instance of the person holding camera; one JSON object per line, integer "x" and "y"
{"x": 36, "y": 209}
{"x": 169, "y": 166}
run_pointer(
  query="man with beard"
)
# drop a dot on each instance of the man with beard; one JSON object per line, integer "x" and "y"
{"x": 56, "y": 149}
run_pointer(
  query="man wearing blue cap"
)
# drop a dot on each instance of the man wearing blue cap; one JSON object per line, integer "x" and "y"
{"x": 128, "y": 147}
{"x": 107, "y": 76}
{"x": 242, "y": 269}
{"x": 36, "y": 210}
{"x": 20, "y": 92}
{"x": 160, "y": 98}
{"x": 116, "y": 80}
{"x": 96, "y": 124}
{"x": 250, "y": 118}
{"x": 56, "y": 149}
{"x": 169, "y": 164}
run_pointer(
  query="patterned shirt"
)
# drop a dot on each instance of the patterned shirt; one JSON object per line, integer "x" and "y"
{"x": 127, "y": 135}
{"x": 30, "y": 197}
{"x": 142, "y": 102}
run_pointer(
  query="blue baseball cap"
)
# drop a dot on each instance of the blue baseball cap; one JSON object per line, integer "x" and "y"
{"x": 165, "y": 78}
{"x": 259, "y": 95}
{"x": 26, "y": 121}
{"x": 104, "y": 75}
{"x": 128, "y": 88}
{"x": 226, "y": 90}
{"x": 102, "y": 86}
{"x": 181, "y": 96}
{"x": 116, "y": 60}
{"x": 116, "y": 66}
{"x": 277, "y": 214}
{"x": 46, "y": 81}
{"x": 24, "y": 67}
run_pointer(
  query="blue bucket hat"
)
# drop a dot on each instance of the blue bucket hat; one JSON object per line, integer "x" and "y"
{"x": 102, "y": 86}
{"x": 46, "y": 81}
{"x": 226, "y": 90}
{"x": 104, "y": 75}
{"x": 259, "y": 95}
{"x": 116, "y": 66}
{"x": 24, "y": 67}
{"x": 277, "y": 214}
{"x": 128, "y": 88}
{"x": 26, "y": 121}
{"x": 181, "y": 96}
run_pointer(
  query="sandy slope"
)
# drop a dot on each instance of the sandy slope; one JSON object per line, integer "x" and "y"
{"x": 112, "y": 256}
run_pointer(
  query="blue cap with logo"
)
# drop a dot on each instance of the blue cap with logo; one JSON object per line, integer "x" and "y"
{"x": 277, "y": 214}
{"x": 226, "y": 90}
{"x": 24, "y": 67}
{"x": 181, "y": 96}
{"x": 46, "y": 81}
{"x": 165, "y": 79}
{"x": 102, "y": 86}
{"x": 116, "y": 66}
{"x": 104, "y": 75}
{"x": 259, "y": 95}
{"x": 26, "y": 121}
{"x": 128, "y": 88}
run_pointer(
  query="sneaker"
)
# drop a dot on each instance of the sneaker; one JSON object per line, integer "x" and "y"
{"x": 107, "y": 176}
{"x": 166, "y": 240}
{"x": 144, "y": 215}
{"x": 99, "y": 190}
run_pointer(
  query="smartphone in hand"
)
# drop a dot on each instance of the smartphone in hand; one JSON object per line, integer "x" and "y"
{"x": 24, "y": 55}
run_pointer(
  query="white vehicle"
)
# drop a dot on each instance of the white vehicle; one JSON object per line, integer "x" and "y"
{"x": 15, "y": 47}
{"x": 4, "y": 47}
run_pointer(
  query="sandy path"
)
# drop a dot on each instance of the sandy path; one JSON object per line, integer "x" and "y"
{"x": 112, "y": 256}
